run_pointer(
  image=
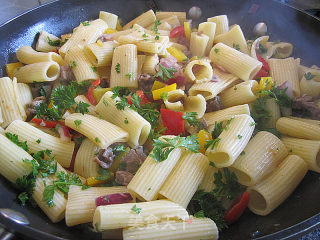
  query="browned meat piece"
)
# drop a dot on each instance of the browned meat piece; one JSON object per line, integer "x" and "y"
{"x": 146, "y": 82}
{"x": 132, "y": 160}
{"x": 214, "y": 104}
{"x": 66, "y": 74}
{"x": 36, "y": 102}
{"x": 123, "y": 177}
{"x": 306, "y": 106}
{"x": 105, "y": 158}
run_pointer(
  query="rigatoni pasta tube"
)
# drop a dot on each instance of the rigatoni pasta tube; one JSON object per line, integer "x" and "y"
{"x": 11, "y": 160}
{"x": 144, "y": 20}
{"x": 43, "y": 45}
{"x": 274, "y": 189}
{"x": 100, "y": 54}
{"x": 308, "y": 150}
{"x": 175, "y": 99}
{"x": 129, "y": 120}
{"x": 124, "y": 215}
{"x": 195, "y": 104}
{"x": 91, "y": 108}
{"x": 81, "y": 203}
{"x": 234, "y": 38}
{"x": 97, "y": 130}
{"x": 274, "y": 112}
{"x": 199, "y": 71}
{"x": 124, "y": 67}
{"x": 150, "y": 177}
{"x": 298, "y": 129}
{"x": 38, "y": 72}
{"x": 207, "y": 183}
{"x": 260, "y": 157}
{"x": 307, "y": 120}
{"x": 84, "y": 35}
{"x": 81, "y": 67}
{"x": 222, "y": 24}
{"x": 226, "y": 114}
{"x": 198, "y": 44}
{"x": 182, "y": 16}
{"x": 109, "y": 18}
{"x": 196, "y": 229}
{"x": 28, "y": 55}
{"x": 241, "y": 93}
{"x": 56, "y": 212}
{"x": 61, "y": 150}
{"x": 209, "y": 29}
{"x": 310, "y": 86}
{"x": 235, "y": 62}
{"x": 282, "y": 70}
{"x": 8, "y": 104}
{"x": 84, "y": 165}
{"x": 150, "y": 63}
{"x": 23, "y": 90}
{"x": 185, "y": 178}
{"x": 233, "y": 140}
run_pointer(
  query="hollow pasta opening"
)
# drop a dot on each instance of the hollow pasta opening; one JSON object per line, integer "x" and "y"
{"x": 199, "y": 71}
{"x": 254, "y": 72}
{"x": 52, "y": 71}
{"x": 144, "y": 134}
{"x": 219, "y": 157}
{"x": 257, "y": 201}
{"x": 203, "y": 93}
{"x": 91, "y": 56}
{"x": 243, "y": 177}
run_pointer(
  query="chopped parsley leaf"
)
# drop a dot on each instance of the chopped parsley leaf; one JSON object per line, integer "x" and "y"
{"x": 55, "y": 43}
{"x": 77, "y": 122}
{"x": 136, "y": 209}
{"x": 117, "y": 67}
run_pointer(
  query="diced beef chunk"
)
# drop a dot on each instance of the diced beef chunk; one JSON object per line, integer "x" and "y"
{"x": 105, "y": 158}
{"x": 66, "y": 74}
{"x": 306, "y": 106}
{"x": 214, "y": 104}
{"x": 36, "y": 102}
{"x": 123, "y": 177}
{"x": 133, "y": 160}
{"x": 146, "y": 82}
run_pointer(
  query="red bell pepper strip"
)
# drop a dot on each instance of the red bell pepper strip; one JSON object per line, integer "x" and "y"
{"x": 89, "y": 95}
{"x": 177, "y": 32}
{"x": 236, "y": 211}
{"x": 142, "y": 96}
{"x": 115, "y": 198}
{"x": 45, "y": 123}
{"x": 173, "y": 121}
{"x": 264, "y": 71}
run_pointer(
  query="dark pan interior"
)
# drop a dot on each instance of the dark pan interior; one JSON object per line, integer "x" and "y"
{"x": 297, "y": 215}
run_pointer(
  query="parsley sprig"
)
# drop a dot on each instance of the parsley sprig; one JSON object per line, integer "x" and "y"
{"x": 15, "y": 139}
{"x": 210, "y": 204}
{"x": 162, "y": 148}
{"x": 191, "y": 118}
{"x": 165, "y": 73}
{"x": 309, "y": 76}
{"x": 54, "y": 43}
{"x": 62, "y": 184}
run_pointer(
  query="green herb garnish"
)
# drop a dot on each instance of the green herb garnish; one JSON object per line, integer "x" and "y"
{"x": 117, "y": 68}
{"x": 55, "y": 43}
{"x": 77, "y": 122}
{"x": 165, "y": 73}
{"x": 191, "y": 118}
{"x": 136, "y": 209}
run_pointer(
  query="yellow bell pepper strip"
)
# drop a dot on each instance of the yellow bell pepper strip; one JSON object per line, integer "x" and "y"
{"x": 203, "y": 136}
{"x": 157, "y": 85}
{"x": 111, "y": 30}
{"x": 157, "y": 93}
{"x": 99, "y": 42}
{"x": 187, "y": 30}
{"x": 11, "y": 67}
{"x": 119, "y": 27}
{"x": 99, "y": 92}
{"x": 266, "y": 83}
{"x": 93, "y": 181}
{"x": 178, "y": 54}
{"x": 193, "y": 58}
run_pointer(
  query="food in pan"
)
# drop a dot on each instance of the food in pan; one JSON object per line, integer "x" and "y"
{"x": 161, "y": 128}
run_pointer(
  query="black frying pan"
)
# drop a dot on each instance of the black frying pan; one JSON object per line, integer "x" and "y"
{"x": 297, "y": 215}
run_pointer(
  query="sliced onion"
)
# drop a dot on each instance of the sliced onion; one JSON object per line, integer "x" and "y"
{"x": 289, "y": 91}
{"x": 64, "y": 133}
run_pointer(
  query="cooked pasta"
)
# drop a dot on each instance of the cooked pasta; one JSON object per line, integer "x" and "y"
{"x": 100, "y": 55}
{"x": 222, "y": 24}
{"x": 43, "y": 45}
{"x": 61, "y": 150}
{"x": 232, "y": 141}
{"x": 261, "y": 157}
{"x": 28, "y": 55}
{"x": 81, "y": 203}
{"x": 274, "y": 189}
{"x": 199, "y": 71}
